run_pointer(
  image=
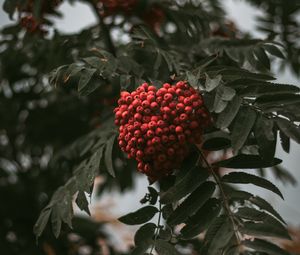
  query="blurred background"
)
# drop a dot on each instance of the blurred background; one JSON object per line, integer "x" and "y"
{"x": 79, "y": 16}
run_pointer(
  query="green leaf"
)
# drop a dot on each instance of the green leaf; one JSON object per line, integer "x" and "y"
{"x": 242, "y": 127}
{"x": 264, "y": 88}
{"x": 140, "y": 216}
{"x": 273, "y": 50}
{"x": 42, "y": 221}
{"x": 143, "y": 237}
{"x": 55, "y": 221}
{"x": 265, "y": 247}
{"x": 153, "y": 194}
{"x": 82, "y": 202}
{"x": 245, "y": 178}
{"x": 211, "y": 84}
{"x": 85, "y": 77}
{"x": 264, "y": 229}
{"x": 223, "y": 95}
{"x": 216, "y": 144}
{"x": 289, "y": 129}
{"x": 238, "y": 195}
{"x": 247, "y": 161}
{"x": 236, "y": 73}
{"x": 202, "y": 219}
{"x": 285, "y": 141}
{"x": 264, "y": 205}
{"x": 164, "y": 248}
{"x": 265, "y": 137}
{"x": 269, "y": 102}
{"x": 226, "y": 117}
{"x": 262, "y": 56}
{"x": 109, "y": 155}
{"x": 192, "y": 204}
{"x": 191, "y": 181}
{"x": 72, "y": 70}
{"x": 221, "y": 238}
{"x": 260, "y": 216}
{"x": 214, "y": 228}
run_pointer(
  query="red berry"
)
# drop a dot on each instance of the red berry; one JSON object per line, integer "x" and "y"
{"x": 194, "y": 125}
{"x": 178, "y": 129}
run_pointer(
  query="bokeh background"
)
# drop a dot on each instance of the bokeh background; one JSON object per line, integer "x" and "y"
{"x": 78, "y": 16}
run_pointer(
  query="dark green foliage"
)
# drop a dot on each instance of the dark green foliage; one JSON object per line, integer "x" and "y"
{"x": 140, "y": 216}
{"x": 246, "y": 178}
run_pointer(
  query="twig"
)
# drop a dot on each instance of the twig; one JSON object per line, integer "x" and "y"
{"x": 157, "y": 230}
{"x": 224, "y": 198}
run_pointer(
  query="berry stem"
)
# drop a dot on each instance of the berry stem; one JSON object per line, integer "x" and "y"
{"x": 224, "y": 198}
{"x": 157, "y": 229}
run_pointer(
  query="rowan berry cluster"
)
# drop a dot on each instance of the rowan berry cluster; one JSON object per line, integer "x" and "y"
{"x": 152, "y": 15}
{"x": 156, "y": 126}
{"x": 27, "y": 19}
{"x": 114, "y": 6}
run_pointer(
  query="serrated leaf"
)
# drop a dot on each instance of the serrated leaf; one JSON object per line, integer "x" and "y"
{"x": 265, "y": 247}
{"x": 164, "y": 248}
{"x": 140, "y": 216}
{"x": 264, "y": 205}
{"x": 85, "y": 77}
{"x": 72, "y": 70}
{"x": 268, "y": 102}
{"x": 55, "y": 221}
{"x": 289, "y": 129}
{"x": 263, "y": 229}
{"x": 242, "y": 127}
{"x": 235, "y": 73}
{"x": 223, "y": 95}
{"x": 202, "y": 219}
{"x": 211, "y": 84}
{"x": 65, "y": 208}
{"x": 262, "y": 56}
{"x": 143, "y": 236}
{"x": 256, "y": 200}
{"x": 82, "y": 202}
{"x": 265, "y": 137}
{"x": 262, "y": 89}
{"x": 192, "y": 204}
{"x": 245, "y": 178}
{"x": 153, "y": 194}
{"x": 247, "y": 161}
{"x": 191, "y": 181}
{"x": 221, "y": 238}
{"x": 165, "y": 234}
{"x": 108, "y": 156}
{"x": 226, "y": 117}
{"x": 273, "y": 50}
{"x": 41, "y": 222}
{"x": 255, "y": 215}
{"x": 285, "y": 141}
{"x": 214, "y": 228}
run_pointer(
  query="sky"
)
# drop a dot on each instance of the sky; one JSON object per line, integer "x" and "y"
{"x": 79, "y": 16}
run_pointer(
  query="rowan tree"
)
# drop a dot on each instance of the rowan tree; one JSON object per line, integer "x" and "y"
{"x": 183, "y": 97}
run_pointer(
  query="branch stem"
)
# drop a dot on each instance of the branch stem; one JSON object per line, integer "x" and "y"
{"x": 224, "y": 198}
{"x": 157, "y": 229}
